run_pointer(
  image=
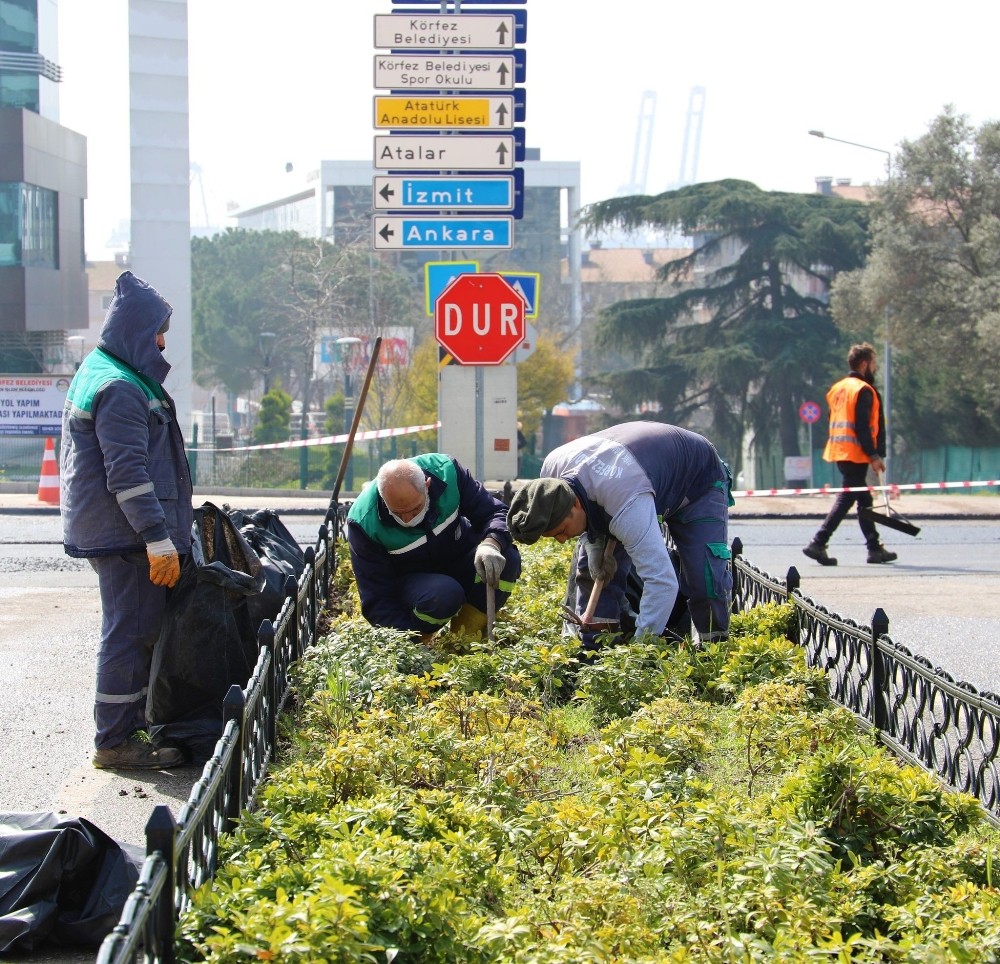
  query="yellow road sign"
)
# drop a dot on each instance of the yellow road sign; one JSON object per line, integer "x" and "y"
{"x": 446, "y": 112}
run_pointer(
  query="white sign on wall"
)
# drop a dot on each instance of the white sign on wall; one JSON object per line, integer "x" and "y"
{"x": 32, "y": 404}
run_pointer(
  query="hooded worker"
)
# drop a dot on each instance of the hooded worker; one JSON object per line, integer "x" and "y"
{"x": 125, "y": 499}
{"x": 426, "y": 540}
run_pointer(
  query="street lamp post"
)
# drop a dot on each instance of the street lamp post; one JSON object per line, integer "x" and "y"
{"x": 344, "y": 348}
{"x": 266, "y": 342}
{"x": 887, "y": 351}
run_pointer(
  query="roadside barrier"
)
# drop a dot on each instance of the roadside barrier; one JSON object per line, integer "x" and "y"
{"x": 891, "y": 488}
{"x": 918, "y": 711}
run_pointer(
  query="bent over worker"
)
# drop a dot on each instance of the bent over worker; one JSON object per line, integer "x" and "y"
{"x": 125, "y": 499}
{"x": 622, "y": 482}
{"x": 426, "y": 539}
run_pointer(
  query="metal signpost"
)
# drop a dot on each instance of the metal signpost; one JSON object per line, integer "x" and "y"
{"x": 447, "y": 149}
{"x": 810, "y": 413}
{"x": 479, "y": 320}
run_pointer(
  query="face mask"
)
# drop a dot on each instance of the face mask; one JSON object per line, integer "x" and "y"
{"x": 418, "y": 518}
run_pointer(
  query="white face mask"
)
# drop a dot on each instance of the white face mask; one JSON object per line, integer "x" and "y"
{"x": 418, "y": 518}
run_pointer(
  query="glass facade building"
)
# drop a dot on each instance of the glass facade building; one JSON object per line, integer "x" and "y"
{"x": 43, "y": 183}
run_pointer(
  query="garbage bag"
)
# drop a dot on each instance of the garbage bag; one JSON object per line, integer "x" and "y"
{"x": 62, "y": 879}
{"x": 208, "y": 639}
{"x": 279, "y": 553}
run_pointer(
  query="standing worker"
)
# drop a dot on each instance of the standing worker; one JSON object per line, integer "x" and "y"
{"x": 125, "y": 490}
{"x": 622, "y": 482}
{"x": 426, "y": 539}
{"x": 856, "y": 441}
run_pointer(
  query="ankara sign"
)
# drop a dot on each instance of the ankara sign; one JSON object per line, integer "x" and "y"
{"x": 479, "y": 319}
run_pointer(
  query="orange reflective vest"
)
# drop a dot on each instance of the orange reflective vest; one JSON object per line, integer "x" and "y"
{"x": 842, "y": 445}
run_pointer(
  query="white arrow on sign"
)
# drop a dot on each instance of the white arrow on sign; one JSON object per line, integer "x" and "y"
{"x": 447, "y": 152}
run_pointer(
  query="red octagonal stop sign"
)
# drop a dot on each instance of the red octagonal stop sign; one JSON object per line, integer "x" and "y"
{"x": 479, "y": 319}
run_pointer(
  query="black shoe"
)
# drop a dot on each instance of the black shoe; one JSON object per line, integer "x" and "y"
{"x": 881, "y": 554}
{"x": 818, "y": 552}
{"x": 136, "y": 754}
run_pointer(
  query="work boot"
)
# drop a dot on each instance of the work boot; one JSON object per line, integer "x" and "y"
{"x": 136, "y": 754}
{"x": 881, "y": 554}
{"x": 816, "y": 550}
{"x": 469, "y": 621}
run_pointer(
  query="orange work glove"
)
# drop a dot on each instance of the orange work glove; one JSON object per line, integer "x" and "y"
{"x": 164, "y": 563}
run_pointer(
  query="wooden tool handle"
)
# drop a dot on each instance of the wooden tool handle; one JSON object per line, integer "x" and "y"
{"x": 491, "y": 610}
{"x": 595, "y": 593}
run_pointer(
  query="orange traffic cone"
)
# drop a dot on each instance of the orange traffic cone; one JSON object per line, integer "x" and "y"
{"x": 48, "y": 481}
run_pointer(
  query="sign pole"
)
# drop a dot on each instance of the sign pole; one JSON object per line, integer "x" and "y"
{"x": 480, "y": 426}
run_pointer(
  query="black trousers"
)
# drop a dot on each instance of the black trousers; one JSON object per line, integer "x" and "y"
{"x": 854, "y": 474}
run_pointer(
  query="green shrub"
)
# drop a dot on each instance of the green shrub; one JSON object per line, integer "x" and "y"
{"x": 467, "y": 802}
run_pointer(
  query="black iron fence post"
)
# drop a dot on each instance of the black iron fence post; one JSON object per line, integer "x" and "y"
{"x": 793, "y": 582}
{"x": 234, "y": 708}
{"x": 880, "y": 695}
{"x": 265, "y": 643}
{"x": 161, "y": 837}
{"x": 301, "y": 644}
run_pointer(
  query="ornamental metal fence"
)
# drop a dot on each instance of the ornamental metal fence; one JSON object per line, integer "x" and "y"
{"x": 918, "y": 711}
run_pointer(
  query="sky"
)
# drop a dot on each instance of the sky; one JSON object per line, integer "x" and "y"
{"x": 291, "y": 82}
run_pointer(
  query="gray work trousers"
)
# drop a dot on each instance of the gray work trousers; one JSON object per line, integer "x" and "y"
{"x": 132, "y": 611}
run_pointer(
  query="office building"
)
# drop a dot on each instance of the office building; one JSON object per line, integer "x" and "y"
{"x": 43, "y": 183}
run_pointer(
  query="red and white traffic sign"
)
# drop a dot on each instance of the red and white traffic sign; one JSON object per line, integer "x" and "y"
{"x": 810, "y": 412}
{"x": 479, "y": 319}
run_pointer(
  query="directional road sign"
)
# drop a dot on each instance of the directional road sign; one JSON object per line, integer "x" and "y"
{"x": 444, "y": 233}
{"x": 439, "y": 274}
{"x": 443, "y": 152}
{"x": 479, "y": 319}
{"x": 445, "y": 112}
{"x": 428, "y": 72}
{"x": 431, "y": 193}
{"x": 458, "y": 31}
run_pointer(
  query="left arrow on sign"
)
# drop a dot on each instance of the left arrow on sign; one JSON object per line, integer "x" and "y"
{"x": 385, "y": 233}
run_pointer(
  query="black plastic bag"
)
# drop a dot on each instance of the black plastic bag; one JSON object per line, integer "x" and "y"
{"x": 62, "y": 880}
{"x": 279, "y": 553}
{"x": 208, "y": 640}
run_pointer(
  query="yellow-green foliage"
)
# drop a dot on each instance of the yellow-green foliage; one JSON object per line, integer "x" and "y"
{"x": 471, "y": 802}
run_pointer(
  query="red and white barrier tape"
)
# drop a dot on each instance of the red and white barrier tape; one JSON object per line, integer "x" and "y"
{"x": 329, "y": 439}
{"x": 892, "y": 488}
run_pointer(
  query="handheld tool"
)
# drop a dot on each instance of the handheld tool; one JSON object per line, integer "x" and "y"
{"x": 891, "y": 519}
{"x": 583, "y": 621}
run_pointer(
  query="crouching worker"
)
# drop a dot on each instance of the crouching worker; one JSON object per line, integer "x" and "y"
{"x": 622, "y": 482}
{"x": 426, "y": 539}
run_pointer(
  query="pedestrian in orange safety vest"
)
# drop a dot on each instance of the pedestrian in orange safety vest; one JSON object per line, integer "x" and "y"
{"x": 856, "y": 441}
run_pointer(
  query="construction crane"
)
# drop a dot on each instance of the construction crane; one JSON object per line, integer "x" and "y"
{"x": 643, "y": 146}
{"x": 689, "y": 156}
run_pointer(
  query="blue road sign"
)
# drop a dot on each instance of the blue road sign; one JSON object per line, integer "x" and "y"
{"x": 527, "y": 285}
{"x": 439, "y": 274}
{"x": 443, "y": 193}
{"x": 444, "y": 233}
